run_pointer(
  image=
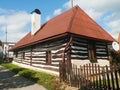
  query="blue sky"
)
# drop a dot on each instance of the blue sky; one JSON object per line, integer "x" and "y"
{"x": 16, "y": 14}
{"x": 47, "y": 7}
{"x": 29, "y": 5}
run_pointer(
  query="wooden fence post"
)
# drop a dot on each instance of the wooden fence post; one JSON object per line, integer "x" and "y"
{"x": 108, "y": 79}
{"x": 112, "y": 77}
{"x": 100, "y": 82}
{"x": 116, "y": 78}
{"x": 96, "y": 78}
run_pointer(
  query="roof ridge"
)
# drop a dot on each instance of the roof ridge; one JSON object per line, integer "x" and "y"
{"x": 74, "y": 10}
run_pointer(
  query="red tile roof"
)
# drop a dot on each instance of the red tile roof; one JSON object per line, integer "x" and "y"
{"x": 74, "y": 21}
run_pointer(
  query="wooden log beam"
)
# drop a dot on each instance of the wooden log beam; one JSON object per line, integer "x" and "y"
{"x": 31, "y": 57}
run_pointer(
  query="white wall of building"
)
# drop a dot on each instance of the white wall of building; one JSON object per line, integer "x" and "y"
{"x": 101, "y": 62}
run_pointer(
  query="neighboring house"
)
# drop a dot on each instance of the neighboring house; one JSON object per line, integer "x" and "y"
{"x": 1, "y": 53}
{"x": 5, "y": 48}
{"x": 70, "y": 37}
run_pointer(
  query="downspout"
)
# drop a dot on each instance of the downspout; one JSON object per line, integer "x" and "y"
{"x": 68, "y": 30}
{"x": 66, "y": 48}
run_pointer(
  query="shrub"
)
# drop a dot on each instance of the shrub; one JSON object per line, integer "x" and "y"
{"x": 27, "y": 73}
{"x": 115, "y": 57}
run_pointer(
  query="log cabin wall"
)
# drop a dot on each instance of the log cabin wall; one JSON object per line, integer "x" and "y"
{"x": 48, "y": 54}
{"x": 45, "y": 55}
{"x": 101, "y": 50}
{"x": 85, "y": 51}
{"x": 79, "y": 49}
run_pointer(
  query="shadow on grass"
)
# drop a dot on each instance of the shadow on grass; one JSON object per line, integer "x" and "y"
{"x": 9, "y": 80}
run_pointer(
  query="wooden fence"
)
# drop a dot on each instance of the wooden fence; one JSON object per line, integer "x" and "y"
{"x": 91, "y": 76}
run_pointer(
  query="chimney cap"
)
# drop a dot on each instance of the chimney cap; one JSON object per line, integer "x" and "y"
{"x": 36, "y": 11}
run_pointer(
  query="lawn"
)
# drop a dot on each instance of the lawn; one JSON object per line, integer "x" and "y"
{"x": 48, "y": 81}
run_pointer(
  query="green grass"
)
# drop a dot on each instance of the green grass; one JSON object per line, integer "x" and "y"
{"x": 48, "y": 81}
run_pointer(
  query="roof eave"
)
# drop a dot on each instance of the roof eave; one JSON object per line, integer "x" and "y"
{"x": 39, "y": 41}
{"x": 92, "y": 38}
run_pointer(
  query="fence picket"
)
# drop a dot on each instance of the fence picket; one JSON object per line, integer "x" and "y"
{"x": 100, "y": 77}
{"x": 112, "y": 77}
{"x": 108, "y": 78}
{"x": 90, "y": 76}
{"x": 87, "y": 77}
{"x": 116, "y": 78}
{"x": 96, "y": 78}
{"x": 93, "y": 79}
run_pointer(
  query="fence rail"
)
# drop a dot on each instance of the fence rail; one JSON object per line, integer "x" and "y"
{"x": 91, "y": 76}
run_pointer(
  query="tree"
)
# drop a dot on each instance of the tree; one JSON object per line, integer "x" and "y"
{"x": 115, "y": 57}
{"x": 0, "y": 43}
{"x": 0, "y": 50}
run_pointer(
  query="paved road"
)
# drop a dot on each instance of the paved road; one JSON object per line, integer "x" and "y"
{"x": 11, "y": 81}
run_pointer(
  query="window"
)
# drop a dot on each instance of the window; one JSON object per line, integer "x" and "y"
{"x": 101, "y": 50}
{"x": 23, "y": 55}
{"x": 48, "y": 57}
{"x": 16, "y": 54}
{"x": 92, "y": 52}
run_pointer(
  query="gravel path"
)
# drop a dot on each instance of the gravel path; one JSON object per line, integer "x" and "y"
{"x": 11, "y": 81}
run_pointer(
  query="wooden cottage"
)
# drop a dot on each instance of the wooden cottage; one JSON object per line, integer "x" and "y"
{"x": 69, "y": 37}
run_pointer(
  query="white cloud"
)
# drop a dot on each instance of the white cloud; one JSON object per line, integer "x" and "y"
{"x": 57, "y": 11}
{"x": 112, "y": 16}
{"x": 4, "y": 11}
{"x": 48, "y": 18}
{"x": 101, "y": 6}
{"x": 16, "y": 21}
{"x": 67, "y": 5}
{"x": 94, "y": 14}
{"x": 114, "y": 27}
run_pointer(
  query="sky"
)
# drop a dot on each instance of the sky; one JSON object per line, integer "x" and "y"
{"x": 15, "y": 15}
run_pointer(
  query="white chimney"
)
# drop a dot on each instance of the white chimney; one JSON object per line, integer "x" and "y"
{"x": 36, "y": 21}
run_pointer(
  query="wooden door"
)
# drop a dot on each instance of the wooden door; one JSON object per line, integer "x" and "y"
{"x": 91, "y": 52}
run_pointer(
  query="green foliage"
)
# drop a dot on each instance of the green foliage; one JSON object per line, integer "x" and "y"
{"x": 27, "y": 73}
{"x": 11, "y": 67}
{"x": 0, "y": 43}
{"x": 115, "y": 57}
{"x": 47, "y": 80}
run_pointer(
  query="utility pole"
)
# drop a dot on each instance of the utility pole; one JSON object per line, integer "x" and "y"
{"x": 6, "y": 32}
{"x": 72, "y": 3}
{"x": 6, "y": 44}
